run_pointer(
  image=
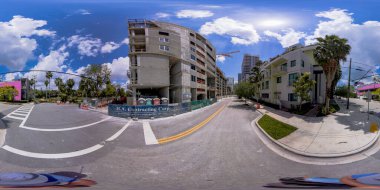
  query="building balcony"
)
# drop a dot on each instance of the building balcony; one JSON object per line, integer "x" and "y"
{"x": 279, "y": 70}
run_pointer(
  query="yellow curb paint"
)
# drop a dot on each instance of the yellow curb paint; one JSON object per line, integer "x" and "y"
{"x": 191, "y": 130}
{"x": 374, "y": 128}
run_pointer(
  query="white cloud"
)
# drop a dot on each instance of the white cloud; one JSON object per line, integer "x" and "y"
{"x": 125, "y": 41}
{"x": 290, "y": 37}
{"x": 119, "y": 68}
{"x": 108, "y": 47}
{"x": 17, "y": 44}
{"x": 363, "y": 37}
{"x": 162, "y": 15}
{"x": 241, "y": 33}
{"x": 87, "y": 46}
{"x": 194, "y": 13}
{"x": 220, "y": 58}
{"x": 83, "y": 12}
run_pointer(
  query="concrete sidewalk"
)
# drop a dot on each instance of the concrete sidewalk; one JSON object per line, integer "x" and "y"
{"x": 339, "y": 134}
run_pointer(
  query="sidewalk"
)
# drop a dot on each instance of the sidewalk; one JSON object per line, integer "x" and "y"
{"x": 339, "y": 134}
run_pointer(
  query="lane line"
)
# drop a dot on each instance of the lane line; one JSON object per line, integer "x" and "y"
{"x": 14, "y": 117}
{"x": 52, "y": 156}
{"x": 65, "y": 129}
{"x": 117, "y": 134}
{"x": 191, "y": 130}
{"x": 149, "y": 136}
{"x": 67, "y": 154}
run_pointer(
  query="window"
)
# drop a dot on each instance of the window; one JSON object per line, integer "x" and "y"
{"x": 264, "y": 95}
{"x": 164, "y": 39}
{"x": 192, "y": 49}
{"x": 193, "y": 78}
{"x": 278, "y": 79}
{"x": 193, "y": 67}
{"x": 262, "y": 86}
{"x": 293, "y": 63}
{"x": 292, "y": 77}
{"x": 191, "y": 34}
{"x": 266, "y": 84}
{"x": 164, "y": 47}
{"x": 303, "y": 63}
{"x": 163, "y": 33}
{"x": 192, "y": 57}
{"x": 284, "y": 67}
{"x": 192, "y": 43}
{"x": 292, "y": 97}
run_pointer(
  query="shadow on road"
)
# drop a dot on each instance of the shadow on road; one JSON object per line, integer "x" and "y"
{"x": 3, "y": 123}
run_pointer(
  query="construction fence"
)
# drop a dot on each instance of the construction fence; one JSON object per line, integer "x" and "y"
{"x": 156, "y": 111}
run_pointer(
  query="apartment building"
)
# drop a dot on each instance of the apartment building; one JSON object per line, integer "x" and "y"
{"x": 249, "y": 61}
{"x": 281, "y": 71}
{"x": 230, "y": 85}
{"x": 171, "y": 61}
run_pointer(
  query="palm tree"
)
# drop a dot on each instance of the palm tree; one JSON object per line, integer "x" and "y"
{"x": 70, "y": 84}
{"x": 32, "y": 83}
{"x": 48, "y": 76}
{"x": 257, "y": 76}
{"x": 46, "y": 84}
{"x": 328, "y": 53}
{"x": 58, "y": 82}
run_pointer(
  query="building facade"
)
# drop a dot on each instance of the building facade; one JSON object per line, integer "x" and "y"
{"x": 249, "y": 61}
{"x": 230, "y": 85}
{"x": 23, "y": 88}
{"x": 239, "y": 77}
{"x": 171, "y": 61}
{"x": 281, "y": 71}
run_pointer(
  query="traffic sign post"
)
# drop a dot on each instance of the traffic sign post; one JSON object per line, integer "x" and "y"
{"x": 369, "y": 97}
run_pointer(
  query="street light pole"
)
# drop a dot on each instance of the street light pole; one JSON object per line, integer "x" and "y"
{"x": 348, "y": 86}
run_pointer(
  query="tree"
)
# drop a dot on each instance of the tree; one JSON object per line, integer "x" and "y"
{"x": 99, "y": 76}
{"x": 70, "y": 84}
{"x": 245, "y": 90}
{"x": 7, "y": 93}
{"x": 257, "y": 76}
{"x": 302, "y": 87}
{"x": 338, "y": 76}
{"x": 48, "y": 76}
{"x": 342, "y": 91}
{"x": 46, "y": 85}
{"x": 32, "y": 83}
{"x": 328, "y": 53}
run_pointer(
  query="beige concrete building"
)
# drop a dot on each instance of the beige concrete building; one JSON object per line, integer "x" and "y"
{"x": 171, "y": 61}
{"x": 281, "y": 71}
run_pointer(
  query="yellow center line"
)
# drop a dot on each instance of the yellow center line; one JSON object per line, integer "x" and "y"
{"x": 191, "y": 130}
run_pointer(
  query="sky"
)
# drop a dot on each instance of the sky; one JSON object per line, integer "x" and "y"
{"x": 67, "y": 35}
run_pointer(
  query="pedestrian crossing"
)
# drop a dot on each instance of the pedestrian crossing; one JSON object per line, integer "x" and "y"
{"x": 22, "y": 113}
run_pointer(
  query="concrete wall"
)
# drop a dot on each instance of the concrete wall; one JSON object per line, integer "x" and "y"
{"x": 153, "y": 71}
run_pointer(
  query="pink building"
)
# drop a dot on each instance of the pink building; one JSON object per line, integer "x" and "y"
{"x": 17, "y": 85}
{"x": 363, "y": 89}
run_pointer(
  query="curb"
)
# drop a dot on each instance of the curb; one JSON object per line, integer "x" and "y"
{"x": 290, "y": 149}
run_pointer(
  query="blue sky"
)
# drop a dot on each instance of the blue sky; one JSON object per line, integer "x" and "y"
{"x": 67, "y": 35}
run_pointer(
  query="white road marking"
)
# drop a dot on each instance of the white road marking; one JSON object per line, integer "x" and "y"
{"x": 68, "y": 154}
{"x": 18, "y": 114}
{"x": 14, "y": 114}
{"x": 14, "y": 117}
{"x": 65, "y": 129}
{"x": 148, "y": 134}
{"x": 52, "y": 156}
{"x": 117, "y": 134}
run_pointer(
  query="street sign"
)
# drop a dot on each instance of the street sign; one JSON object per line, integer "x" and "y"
{"x": 369, "y": 96}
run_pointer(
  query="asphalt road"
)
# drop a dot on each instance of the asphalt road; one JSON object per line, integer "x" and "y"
{"x": 225, "y": 153}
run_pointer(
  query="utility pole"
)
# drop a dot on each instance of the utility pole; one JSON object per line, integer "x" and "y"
{"x": 348, "y": 86}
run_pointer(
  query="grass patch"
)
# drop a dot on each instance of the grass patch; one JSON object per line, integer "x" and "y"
{"x": 276, "y": 129}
